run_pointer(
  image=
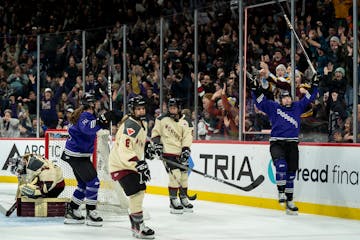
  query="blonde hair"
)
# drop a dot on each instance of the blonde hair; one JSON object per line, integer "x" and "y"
{"x": 74, "y": 117}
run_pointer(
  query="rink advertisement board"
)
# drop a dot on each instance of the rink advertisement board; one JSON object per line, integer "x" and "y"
{"x": 328, "y": 175}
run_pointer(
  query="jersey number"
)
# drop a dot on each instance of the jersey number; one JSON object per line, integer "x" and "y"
{"x": 127, "y": 143}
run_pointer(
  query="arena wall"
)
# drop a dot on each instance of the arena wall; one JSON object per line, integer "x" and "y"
{"x": 327, "y": 182}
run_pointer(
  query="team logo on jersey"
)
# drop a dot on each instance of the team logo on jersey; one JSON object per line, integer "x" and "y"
{"x": 130, "y": 131}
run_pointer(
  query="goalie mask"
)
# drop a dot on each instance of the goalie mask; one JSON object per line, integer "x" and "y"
{"x": 17, "y": 166}
{"x": 135, "y": 103}
{"x": 174, "y": 108}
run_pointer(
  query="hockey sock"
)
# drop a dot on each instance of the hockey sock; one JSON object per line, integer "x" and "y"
{"x": 281, "y": 168}
{"x": 173, "y": 192}
{"x": 91, "y": 194}
{"x": 183, "y": 192}
{"x": 78, "y": 195}
{"x": 289, "y": 189}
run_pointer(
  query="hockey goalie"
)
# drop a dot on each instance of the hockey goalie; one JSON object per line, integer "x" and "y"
{"x": 38, "y": 177}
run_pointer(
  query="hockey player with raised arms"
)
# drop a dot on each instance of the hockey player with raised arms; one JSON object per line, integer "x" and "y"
{"x": 79, "y": 148}
{"x": 284, "y": 139}
{"x": 172, "y": 136}
{"x": 127, "y": 163}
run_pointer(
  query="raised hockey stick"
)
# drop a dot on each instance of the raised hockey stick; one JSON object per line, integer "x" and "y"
{"x": 8, "y": 212}
{"x": 296, "y": 36}
{"x": 193, "y": 197}
{"x": 250, "y": 187}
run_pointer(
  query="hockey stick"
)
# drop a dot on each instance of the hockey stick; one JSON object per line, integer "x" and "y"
{"x": 250, "y": 187}
{"x": 168, "y": 170}
{"x": 296, "y": 36}
{"x": 8, "y": 212}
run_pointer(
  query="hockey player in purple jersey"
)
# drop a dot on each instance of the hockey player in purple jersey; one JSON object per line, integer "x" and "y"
{"x": 78, "y": 150}
{"x": 284, "y": 139}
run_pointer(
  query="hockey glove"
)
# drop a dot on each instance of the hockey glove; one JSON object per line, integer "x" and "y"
{"x": 102, "y": 122}
{"x": 30, "y": 189}
{"x": 158, "y": 148}
{"x": 149, "y": 151}
{"x": 184, "y": 157}
{"x": 315, "y": 80}
{"x": 144, "y": 171}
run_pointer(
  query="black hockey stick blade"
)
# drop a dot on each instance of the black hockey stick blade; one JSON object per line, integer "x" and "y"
{"x": 250, "y": 187}
{"x": 193, "y": 197}
{"x": 8, "y": 212}
{"x": 11, "y": 209}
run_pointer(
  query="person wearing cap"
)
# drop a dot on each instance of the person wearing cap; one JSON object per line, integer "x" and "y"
{"x": 48, "y": 112}
{"x": 336, "y": 80}
{"x": 285, "y": 120}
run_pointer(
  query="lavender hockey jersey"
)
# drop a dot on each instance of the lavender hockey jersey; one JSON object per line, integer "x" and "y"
{"x": 82, "y": 136}
{"x": 285, "y": 121}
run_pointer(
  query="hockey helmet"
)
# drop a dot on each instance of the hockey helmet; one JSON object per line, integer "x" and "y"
{"x": 136, "y": 102}
{"x": 284, "y": 94}
{"x": 174, "y": 102}
{"x": 88, "y": 101}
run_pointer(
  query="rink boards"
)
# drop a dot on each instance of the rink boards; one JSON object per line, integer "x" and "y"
{"x": 327, "y": 182}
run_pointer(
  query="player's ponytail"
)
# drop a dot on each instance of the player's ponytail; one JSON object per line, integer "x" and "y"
{"x": 74, "y": 117}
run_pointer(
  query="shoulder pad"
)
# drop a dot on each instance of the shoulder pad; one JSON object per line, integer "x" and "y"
{"x": 131, "y": 128}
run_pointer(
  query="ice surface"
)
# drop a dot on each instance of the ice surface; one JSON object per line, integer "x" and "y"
{"x": 209, "y": 221}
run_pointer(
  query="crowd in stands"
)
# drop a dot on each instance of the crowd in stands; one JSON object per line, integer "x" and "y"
{"x": 324, "y": 26}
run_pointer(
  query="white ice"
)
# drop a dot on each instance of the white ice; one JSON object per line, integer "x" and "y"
{"x": 209, "y": 221}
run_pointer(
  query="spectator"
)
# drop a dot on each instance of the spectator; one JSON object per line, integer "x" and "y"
{"x": 9, "y": 127}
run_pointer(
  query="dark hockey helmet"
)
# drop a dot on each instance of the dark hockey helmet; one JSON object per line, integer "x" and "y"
{"x": 283, "y": 94}
{"x": 136, "y": 102}
{"x": 88, "y": 101}
{"x": 174, "y": 102}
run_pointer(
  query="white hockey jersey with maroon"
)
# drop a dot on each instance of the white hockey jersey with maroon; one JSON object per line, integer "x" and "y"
{"x": 174, "y": 135}
{"x": 128, "y": 148}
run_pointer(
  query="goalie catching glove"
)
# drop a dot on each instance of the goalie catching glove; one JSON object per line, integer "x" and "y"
{"x": 143, "y": 170}
{"x": 184, "y": 157}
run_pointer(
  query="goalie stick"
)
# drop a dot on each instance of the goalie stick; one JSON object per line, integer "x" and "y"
{"x": 250, "y": 187}
{"x": 193, "y": 197}
{"x": 296, "y": 36}
{"x": 8, "y": 212}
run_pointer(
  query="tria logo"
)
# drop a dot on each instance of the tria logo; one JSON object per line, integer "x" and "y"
{"x": 130, "y": 131}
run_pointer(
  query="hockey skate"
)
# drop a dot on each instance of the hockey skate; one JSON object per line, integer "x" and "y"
{"x": 282, "y": 198}
{"x": 175, "y": 206}
{"x": 138, "y": 228}
{"x": 73, "y": 216}
{"x": 188, "y": 207}
{"x": 93, "y": 218}
{"x": 291, "y": 208}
